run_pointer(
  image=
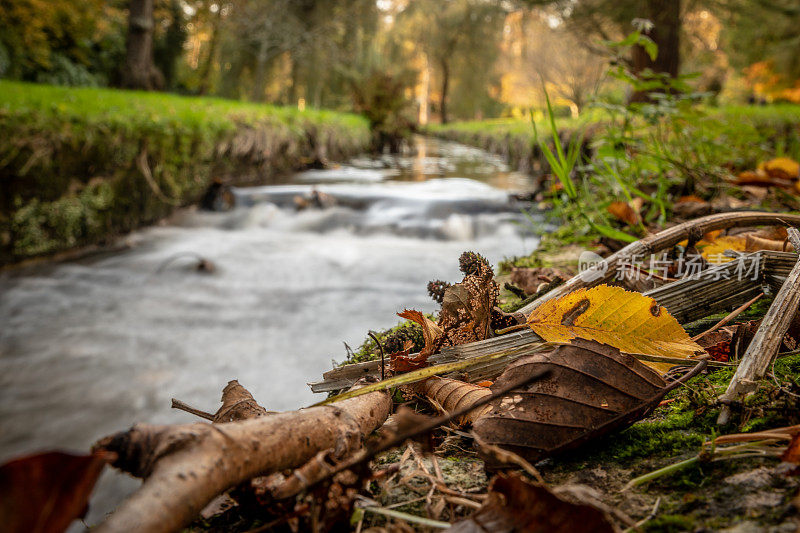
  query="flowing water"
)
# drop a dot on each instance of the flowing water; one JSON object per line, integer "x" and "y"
{"x": 89, "y": 347}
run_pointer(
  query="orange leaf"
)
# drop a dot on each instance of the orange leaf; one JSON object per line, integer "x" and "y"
{"x": 623, "y": 212}
{"x": 781, "y": 168}
{"x": 430, "y": 331}
{"x": 713, "y": 252}
{"x": 47, "y": 491}
{"x": 691, "y": 198}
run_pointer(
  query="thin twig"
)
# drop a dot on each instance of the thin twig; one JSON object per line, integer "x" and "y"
{"x": 177, "y": 404}
{"x": 647, "y": 518}
{"x": 426, "y": 427}
{"x": 507, "y": 456}
{"x": 462, "y": 501}
{"x": 391, "y": 513}
{"x": 383, "y": 365}
{"x": 736, "y": 312}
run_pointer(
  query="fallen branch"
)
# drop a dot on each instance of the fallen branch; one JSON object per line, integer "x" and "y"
{"x": 183, "y": 406}
{"x": 186, "y": 466}
{"x": 767, "y": 340}
{"x": 429, "y": 425}
{"x": 606, "y": 269}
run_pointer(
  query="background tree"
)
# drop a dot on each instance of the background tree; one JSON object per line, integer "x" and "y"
{"x": 612, "y": 19}
{"x": 139, "y": 70}
{"x": 51, "y": 41}
{"x": 452, "y": 30}
{"x": 535, "y": 53}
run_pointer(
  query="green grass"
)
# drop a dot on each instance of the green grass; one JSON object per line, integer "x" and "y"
{"x": 71, "y": 159}
{"x": 774, "y": 116}
{"x": 112, "y": 106}
{"x": 658, "y": 153}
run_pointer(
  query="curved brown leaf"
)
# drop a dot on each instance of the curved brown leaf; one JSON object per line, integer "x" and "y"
{"x": 467, "y": 307}
{"x": 452, "y": 395}
{"x": 431, "y": 332}
{"x": 592, "y": 389}
{"x": 44, "y": 493}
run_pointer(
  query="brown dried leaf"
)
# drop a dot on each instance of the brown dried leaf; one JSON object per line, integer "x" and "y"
{"x": 430, "y": 330}
{"x": 47, "y": 491}
{"x": 452, "y": 395}
{"x": 718, "y": 343}
{"x": 515, "y": 505}
{"x": 402, "y": 361}
{"x": 589, "y": 387}
{"x": 792, "y": 453}
{"x": 467, "y": 308}
{"x": 237, "y": 404}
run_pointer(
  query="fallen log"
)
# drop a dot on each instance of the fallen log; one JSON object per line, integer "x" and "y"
{"x": 606, "y": 269}
{"x": 764, "y": 346}
{"x": 185, "y": 466}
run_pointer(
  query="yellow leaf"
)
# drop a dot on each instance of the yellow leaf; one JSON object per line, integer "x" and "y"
{"x": 713, "y": 252}
{"x": 782, "y": 168}
{"x": 629, "y": 321}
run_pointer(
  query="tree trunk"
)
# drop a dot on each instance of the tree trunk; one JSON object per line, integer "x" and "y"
{"x": 205, "y": 74}
{"x": 260, "y": 74}
{"x": 139, "y": 71}
{"x": 666, "y": 18}
{"x": 445, "y": 87}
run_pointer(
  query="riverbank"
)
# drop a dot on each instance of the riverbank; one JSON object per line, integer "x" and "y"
{"x": 80, "y": 165}
{"x": 755, "y": 132}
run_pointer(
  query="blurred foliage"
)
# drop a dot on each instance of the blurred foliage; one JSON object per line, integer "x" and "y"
{"x": 381, "y": 97}
{"x": 470, "y": 59}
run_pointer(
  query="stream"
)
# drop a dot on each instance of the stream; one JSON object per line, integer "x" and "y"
{"x": 88, "y": 347}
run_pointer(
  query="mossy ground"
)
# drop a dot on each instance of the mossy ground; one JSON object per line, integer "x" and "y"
{"x": 707, "y": 496}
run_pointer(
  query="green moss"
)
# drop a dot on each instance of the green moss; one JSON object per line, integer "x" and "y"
{"x": 368, "y": 350}
{"x": 669, "y": 524}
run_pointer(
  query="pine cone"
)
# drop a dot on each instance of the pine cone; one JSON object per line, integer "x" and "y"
{"x": 470, "y": 262}
{"x": 436, "y": 289}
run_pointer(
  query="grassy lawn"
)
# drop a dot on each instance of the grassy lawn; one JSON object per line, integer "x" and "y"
{"x": 78, "y": 165}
